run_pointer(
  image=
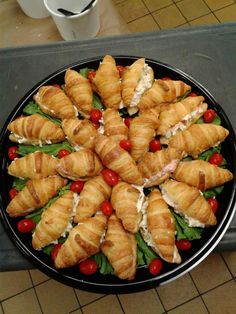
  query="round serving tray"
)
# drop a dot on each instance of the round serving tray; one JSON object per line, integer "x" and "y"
{"x": 143, "y": 280}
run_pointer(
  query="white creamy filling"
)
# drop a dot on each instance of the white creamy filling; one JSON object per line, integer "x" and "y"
{"x": 69, "y": 226}
{"x": 47, "y": 109}
{"x": 144, "y": 83}
{"x": 144, "y": 229}
{"x": 121, "y": 105}
{"x": 141, "y": 197}
{"x": 101, "y": 129}
{"x": 21, "y": 139}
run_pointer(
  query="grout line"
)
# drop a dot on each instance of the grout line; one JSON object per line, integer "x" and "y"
{"x": 181, "y": 12}
{"x": 35, "y": 292}
{"x": 227, "y": 281}
{"x": 1, "y": 307}
{"x": 226, "y": 265}
{"x": 189, "y": 300}
{"x": 77, "y": 298}
{"x": 14, "y": 295}
{"x": 212, "y": 11}
{"x": 103, "y": 296}
{"x": 165, "y": 311}
{"x": 120, "y": 303}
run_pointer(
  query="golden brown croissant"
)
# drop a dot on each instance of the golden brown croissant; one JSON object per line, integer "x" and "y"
{"x": 117, "y": 159}
{"x": 136, "y": 79}
{"x": 120, "y": 248}
{"x": 157, "y": 167}
{"x": 198, "y": 138}
{"x": 107, "y": 83}
{"x": 33, "y": 130}
{"x": 35, "y": 195}
{"x": 162, "y": 92}
{"x": 79, "y": 132}
{"x": 201, "y": 174}
{"x": 114, "y": 126}
{"x": 83, "y": 241}
{"x": 179, "y": 116}
{"x": 79, "y": 165}
{"x": 54, "y": 102}
{"x": 141, "y": 131}
{"x": 33, "y": 166}
{"x": 54, "y": 222}
{"x": 158, "y": 228}
{"x": 127, "y": 201}
{"x": 188, "y": 202}
{"x": 78, "y": 88}
{"x": 94, "y": 192}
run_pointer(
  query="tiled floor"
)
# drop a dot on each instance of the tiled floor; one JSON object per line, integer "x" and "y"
{"x": 210, "y": 287}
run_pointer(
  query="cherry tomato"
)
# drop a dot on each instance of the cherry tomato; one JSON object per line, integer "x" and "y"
{"x": 125, "y": 144}
{"x": 62, "y": 153}
{"x": 121, "y": 69}
{"x": 154, "y": 145}
{"x": 26, "y": 225}
{"x": 56, "y": 85}
{"x": 55, "y": 251}
{"x": 216, "y": 159}
{"x": 192, "y": 94}
{"x": 12, "y": 152}
{"x": 95, "y": 115}
{"x": 209, "y": 116}
{"x": 12, "y": 193}
{"x": 77, "y": 186}
{"x": 91, "y": 75}
{"x": 183, "y": 245}
{"x": 110, "y": 177}
{"x": 166, "y": 78}
{"x": 96, "y": 125}
{"x": 88, "y": 266}
{"x": 106, "y": 208}
{"x": 127, "y": 121}
{"x": 214, "y": 204}
{"x": 155, "y": 266}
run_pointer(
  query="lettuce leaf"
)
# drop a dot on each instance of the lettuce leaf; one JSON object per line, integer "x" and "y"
{"x": 97, "y": 102}
{"x": 148, "y": 253}
{"x": 19, "y": 184}
{"x": 104, "y": 266}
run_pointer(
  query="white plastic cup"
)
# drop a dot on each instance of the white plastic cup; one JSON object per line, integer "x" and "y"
{"x": 34, "y": 8}
{"x": 80, "y": 26}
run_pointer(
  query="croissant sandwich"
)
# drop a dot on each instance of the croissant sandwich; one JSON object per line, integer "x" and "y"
{"x": 114, "y": 126}
{"x": 35, "y": 130}
{"x": 54, "y": 102}
{"x": 79, "y": 90}
{"x": 35, "y": 195}
{"x": 158, "y": 228}
{"x": 120, "y": 248}
{"x": 83, "y": 241}
{"x": 188, "y": 202}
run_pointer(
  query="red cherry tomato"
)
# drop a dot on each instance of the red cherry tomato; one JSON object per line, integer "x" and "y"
{"x": 77, "y": 186}
{"x": 96, "y": 125}
{"x": 88, "y": 266}
{"x": 216, "y": 159}
{"x": 125, "y": 144}
{"x": 214, "y": 204}
{"x": 192, "y": 94}
{"x": 154, "y": 145}
{"x": 55, "y": 251}
{"x": 106, "y": 208}
{"x": 209, "y": 116}
{"x": 95, "y": 115}
{"x": 62, "y": 153}
{"x": 91, "y": 75}
{"x": 12, "y": 152}
{"x": 121, "y": 69}
{"x": 26, "y": 225}
{"x": 56, "y": 85}
{"x": 155, "y": 266}
{"x": 127, "y": 121}
{"x": 12, "y": 193}
{"x": 166, "y": 78}
{"x": 110, "y": 177}
{"x": 183, "y": 245}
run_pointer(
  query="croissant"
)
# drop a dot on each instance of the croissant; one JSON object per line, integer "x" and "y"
{"x": 78, "y": 88}
{"x": 141, "y": 132}
{"x": 198, "y": 138}
{"x": 54, "y": 221}
{"x": 83, "y": 241}
{"x": 33, "y": 130}
{"x": 35, "y": 195}
{"x": 114, "y": 126}
{"x": 158, "y": 228}
{"x": 136, "y": 79}
{"x": 54, "y": 102}
{"x": 201, "y": 174}
{"x": 79, "y": 165}
{"x": 179, "y": 116}
{"x": 79, "y": 132}
{"x": 33, "y": 166}
{"x": 157, "y": 167}
{"x": 107, "y": 83}
{"x": 94, "y": 192}
{"x": 117, "y": 159}
{"x": 127, "y": 201}
{"x": 188, "y": 202}
{"x": 120, "y": 248}
{"x": 162, "y": 91}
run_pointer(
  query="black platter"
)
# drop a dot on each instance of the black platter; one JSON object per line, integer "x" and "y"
{"x": 143, "y": 280}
